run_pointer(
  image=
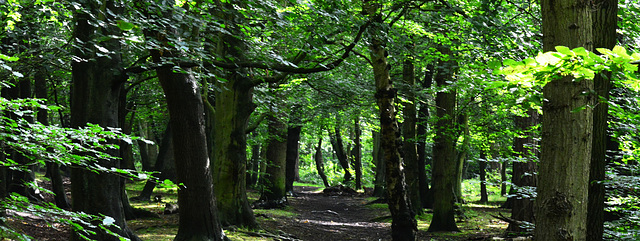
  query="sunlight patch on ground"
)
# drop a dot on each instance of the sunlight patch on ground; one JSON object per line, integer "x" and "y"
{"x": 342, "y": 224}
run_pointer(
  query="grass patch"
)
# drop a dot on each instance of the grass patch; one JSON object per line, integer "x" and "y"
{"x": 302, "y": 184}
{"x": 276, "y": 213}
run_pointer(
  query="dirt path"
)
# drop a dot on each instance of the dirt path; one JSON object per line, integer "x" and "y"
{"x": 331, "y": 217}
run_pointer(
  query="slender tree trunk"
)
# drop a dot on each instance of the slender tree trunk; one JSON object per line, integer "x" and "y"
{"x": 484, "y": 197}
{"x": 379, "y": 187}
{"x": 293, "y": 146}
{"x": 166, "y": 151}
{"x": 338, "y": 147}
{"x": 320, "y": 162}
{"x": 254, "y": 165}
{"x": 357, "y": 153}
{"x": 461, "y": 157}
{"x": 561, "y": 204}
{"x": 409, "y": 134}
{"x": 604, "y": 36}
{"x": 53, "y": 169}
{"x": 403, "y": 225}
{"x": 444, "y": 160}
{"x": 503, "y": 177}
{"x": 524, "y": 171}
{"x": 426, "y": 197}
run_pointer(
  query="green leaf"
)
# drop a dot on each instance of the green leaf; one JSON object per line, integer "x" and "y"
{"x": 580, "y": 51}
{"x": 125, "y": 26}
{"x": 581, "y": 108}
{"x": 7, "y": 58}
{"x": 564, "y": 50}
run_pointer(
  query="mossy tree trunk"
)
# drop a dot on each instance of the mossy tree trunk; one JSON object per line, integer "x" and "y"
{"x": 410, "y": 152}
{"x": 444, "y": 153}
{"x": 403, "y": 225}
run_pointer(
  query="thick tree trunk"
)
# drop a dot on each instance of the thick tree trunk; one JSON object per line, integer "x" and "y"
{"x": 233, "y": 105}
{"x": 293, "y": 146}
{"x": 409, "y": 134}
{"x": 357, "y": 153}
{"x": 524, "y": 171}
{"x": 320, "y": 162}
{"x": 604, "y": 36}
{"x": 274, "y": 185}
{"x": 96, "y": 84}
{"x": 444, "y": 153}
{"x": 198, "y": 214}
{"x": 403, "y": 225}
{"x": 563, "y": 181}
{"x": 379, "y": 185}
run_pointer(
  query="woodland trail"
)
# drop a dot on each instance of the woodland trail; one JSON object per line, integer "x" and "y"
{"x": 331, "y": 217}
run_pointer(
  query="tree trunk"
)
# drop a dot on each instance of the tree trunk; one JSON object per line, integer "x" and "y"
{"x": 357, "y": 153}
{"x": 254, "y": 165}
{"x": 233, "y": 105}
{"x": 198, "y": 214}
{"x": 503, "y": 177}
{"x": 426, "y": 197}
{"x": 53, "y": 169}
{"x": 166, "y": 152}
{"x": 524, "y": 171}
{"x": 293, "y": 146}
{"x": 604, "y": 36}
{"x": 561, "y": 204}
{"x": 274, "y": 185}
{"x": 95, "y": 93}
{"x": 409, "y": 134}
{"x": 444, "y": 153}
{"x": 484, "y": 197}
{"x": 461, "y": 157}
{"x": 379, "y": 187}
{"x": 338, "y": 147}
{"x": 319, "y": 162}
{"x": 403, "y": 225}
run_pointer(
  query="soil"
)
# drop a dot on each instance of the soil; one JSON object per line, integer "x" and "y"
{"x": 319, "y": 216}
{"x": 332, "y": 216}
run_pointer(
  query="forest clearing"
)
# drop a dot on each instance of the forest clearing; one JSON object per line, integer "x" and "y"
{"x": 403, "y": 120}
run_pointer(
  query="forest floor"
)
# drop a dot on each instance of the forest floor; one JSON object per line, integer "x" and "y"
{"x": 311, "y": 215}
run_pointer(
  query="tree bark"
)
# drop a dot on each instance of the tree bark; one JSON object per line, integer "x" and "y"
{"x": 561, "y": 204}
{"x": 165, "y": 155}
{"x": 95, "y": 92}
{"x": 233, "y": 105}
{"x": 426, "y": 196}
{"x": 461, "y": 157}
{"x": 403, "y": 225}
{"x": 410, "y": 153}
{"x": 293, "y": 146}
{"x": 320, "y": 162}
{"x": 338, "y": 147}
{"x": 357, "y": 153}
{"x": 53, "y": 169}
{"x": 444, "y": 153}
{"x": 605, "y": 23}
{"x": 524, "y": 171}
{"x": 274, "y": 185}
{"x": 379, "y": 187}
{"x": 484, "y": 197}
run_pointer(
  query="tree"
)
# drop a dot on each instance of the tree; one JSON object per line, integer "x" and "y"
{"x": 409, "y": 147}
{"x": 444, "y": 155}
{"x": 97, "y": 81}
{"x": 605, "y": 23}
{"x": 563, "y": 177}
{"x": 403, "y": 224}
